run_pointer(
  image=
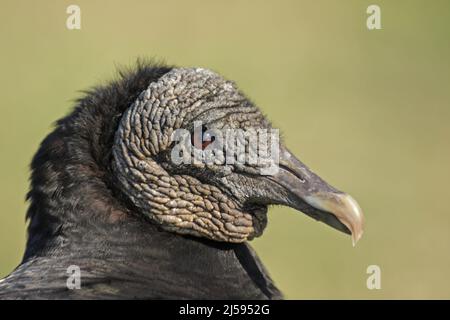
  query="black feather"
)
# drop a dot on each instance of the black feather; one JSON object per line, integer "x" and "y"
{"x": 77, "y": 217}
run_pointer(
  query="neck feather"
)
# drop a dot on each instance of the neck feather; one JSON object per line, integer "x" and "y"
{"x": 72, "y": 186}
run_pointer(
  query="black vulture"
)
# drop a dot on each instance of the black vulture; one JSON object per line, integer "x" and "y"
{"x": 106, "y": 196}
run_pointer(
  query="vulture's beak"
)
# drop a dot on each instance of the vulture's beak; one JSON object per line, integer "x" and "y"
{"x": 316, "y": 198}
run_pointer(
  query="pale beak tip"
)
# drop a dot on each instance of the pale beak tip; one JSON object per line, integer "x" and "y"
{"x": 356, "y": 237}
{"x": 353, "y": 217}
{"x": 343, "y": 207}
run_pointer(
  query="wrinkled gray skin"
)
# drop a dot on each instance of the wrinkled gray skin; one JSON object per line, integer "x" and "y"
{"x": 219, "y": 202}
{"x": 83, "y": 214}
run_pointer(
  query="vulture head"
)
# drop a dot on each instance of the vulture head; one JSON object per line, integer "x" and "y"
{"x": 152, "y": 186}
{"x": 181, "y": 155}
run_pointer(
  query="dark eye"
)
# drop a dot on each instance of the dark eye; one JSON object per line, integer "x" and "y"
{"x": 201, "y": 141}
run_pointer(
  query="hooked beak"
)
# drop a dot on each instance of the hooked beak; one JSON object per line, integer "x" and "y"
{"x": 315, "y": 197}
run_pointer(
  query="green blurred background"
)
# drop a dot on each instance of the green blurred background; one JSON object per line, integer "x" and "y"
{"x": 367, "y": 110}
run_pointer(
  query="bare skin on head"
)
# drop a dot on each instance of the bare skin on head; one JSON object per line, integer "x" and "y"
{"x": 220, "y": 202}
